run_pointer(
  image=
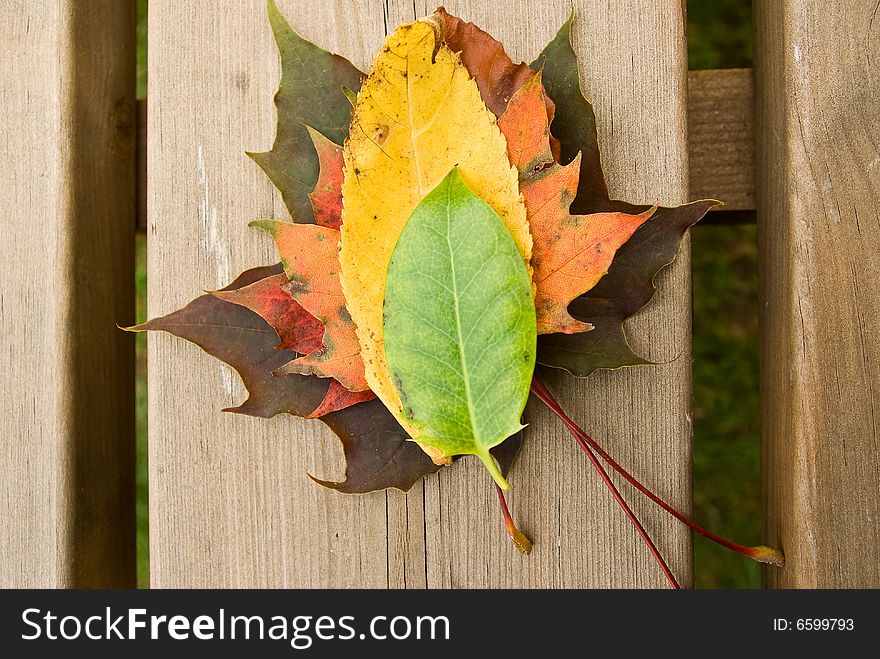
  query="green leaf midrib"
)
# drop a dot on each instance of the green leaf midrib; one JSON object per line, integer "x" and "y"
{"x": 461, "y": 339}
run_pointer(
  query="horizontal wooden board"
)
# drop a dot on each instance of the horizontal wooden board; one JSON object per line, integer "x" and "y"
{"x": 721, "y": 150}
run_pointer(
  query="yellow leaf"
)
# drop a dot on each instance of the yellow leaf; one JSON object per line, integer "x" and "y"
{"x": 418, "y": 114}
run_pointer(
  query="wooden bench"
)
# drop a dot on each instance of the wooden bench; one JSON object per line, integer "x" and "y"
{"x": 229, "y": 501}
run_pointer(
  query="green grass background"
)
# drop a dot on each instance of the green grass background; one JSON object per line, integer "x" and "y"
{"x": 725, "y": 348}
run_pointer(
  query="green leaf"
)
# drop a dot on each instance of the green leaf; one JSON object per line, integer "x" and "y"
{"x": 310, "y": 94}
{"x": 460, "y": 329}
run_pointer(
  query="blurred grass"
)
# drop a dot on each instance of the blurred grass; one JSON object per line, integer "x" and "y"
{"x": 719, "y": 34}
{"x": 143, "y": 522}
{"x": 727, "y": 486}
{"x": 725, "y": 347}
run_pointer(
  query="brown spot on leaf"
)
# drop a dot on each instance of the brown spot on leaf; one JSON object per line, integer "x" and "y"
{"x": 382, "y": 131}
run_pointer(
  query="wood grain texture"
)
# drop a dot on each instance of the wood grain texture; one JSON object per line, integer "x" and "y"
{"x": 230, "y": 505}
{"x": 67, "y": 384}
{"x": 818, "y": 198}
{"x": 721, "y": 141}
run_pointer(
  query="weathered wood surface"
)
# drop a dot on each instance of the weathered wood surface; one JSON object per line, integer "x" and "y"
{"x": 67, "y": 191}
{"x": 721, "y": 144}
{"x": 818, "y": 183}
{"x": 230, "y": 503}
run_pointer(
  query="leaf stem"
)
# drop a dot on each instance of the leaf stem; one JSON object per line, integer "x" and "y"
{"x": 543, "y": 394}
{"x": 760, "y": 553}
{"x": 629, "y": 513}
{"x": 497, "y": 476}
{"x": 522, "y": 543}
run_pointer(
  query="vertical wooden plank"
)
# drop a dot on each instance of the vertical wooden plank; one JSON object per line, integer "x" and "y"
{"x": 230, "y": 504}
{"x": 67, "y": 190}
{"x": 634, "y": 63}
{"x": 818, "y": 181}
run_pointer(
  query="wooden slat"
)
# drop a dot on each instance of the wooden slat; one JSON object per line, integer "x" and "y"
{"x": 720, "y": 145}
{"x": 721, "y": 137}
{"x": 229, "y": 502}
{"x": 67, "y": 191}
{"x": 818, "y": 197}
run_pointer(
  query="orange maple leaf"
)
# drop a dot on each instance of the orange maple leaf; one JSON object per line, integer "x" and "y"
{"x": 571, "y": 252}
{"x": 311, "y": 263}
{"x": 338, "y": 398}
{"x": 297, "y": 330}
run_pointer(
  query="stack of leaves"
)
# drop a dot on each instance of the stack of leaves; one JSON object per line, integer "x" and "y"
{"x": 450, "y": 228}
